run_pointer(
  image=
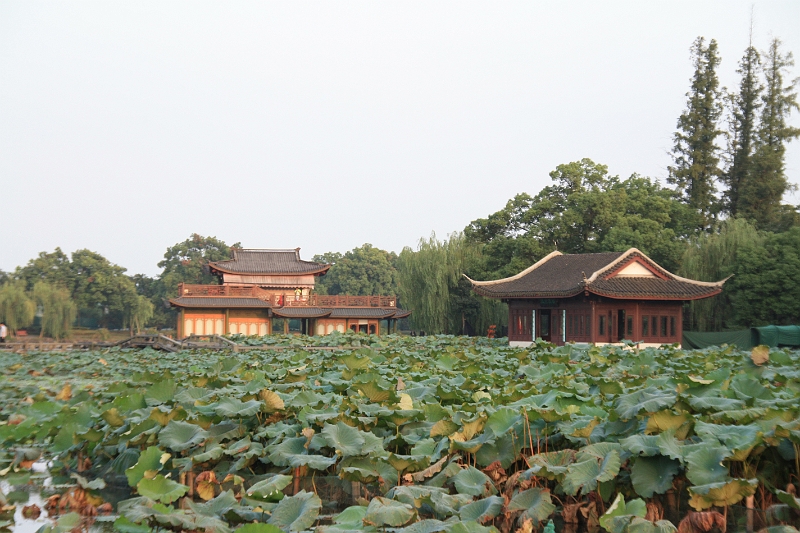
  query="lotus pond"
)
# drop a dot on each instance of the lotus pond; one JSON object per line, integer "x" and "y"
{"x": 360, "y": 433}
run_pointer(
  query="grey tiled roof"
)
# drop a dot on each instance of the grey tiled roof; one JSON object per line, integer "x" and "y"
{"x": 249, "y": 261}
{"x": 562, "y": 276}
{"x": 362, "y": 312}
{"x": 302, "y": 312}
{"x": 199, "y": 301}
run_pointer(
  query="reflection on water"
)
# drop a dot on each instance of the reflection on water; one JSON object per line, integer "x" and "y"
{"x": 36, "y": 492}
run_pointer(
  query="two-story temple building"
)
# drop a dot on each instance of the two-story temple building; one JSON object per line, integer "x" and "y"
{"x": 262, "y": 288}
{"x": 598, "y": 298}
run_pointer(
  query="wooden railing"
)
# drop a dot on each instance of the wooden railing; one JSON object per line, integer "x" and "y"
{"x": 289, "y": 299}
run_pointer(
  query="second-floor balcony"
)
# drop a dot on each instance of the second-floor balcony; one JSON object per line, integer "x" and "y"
{"x": 287, "y": 299}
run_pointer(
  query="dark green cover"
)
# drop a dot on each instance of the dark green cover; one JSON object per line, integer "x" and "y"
{"x": 774, "y": 336}
{"x": 742, "y": 339}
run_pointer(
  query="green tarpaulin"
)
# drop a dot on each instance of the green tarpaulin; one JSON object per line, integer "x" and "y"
{"x": 742, "y": 339}
{"x": 745, "y": 339}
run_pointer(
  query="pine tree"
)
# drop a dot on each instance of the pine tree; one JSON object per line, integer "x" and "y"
{"x": 696, "y": 154}
{"x": 744, "y": 107}
{"x": 760, "y": 199}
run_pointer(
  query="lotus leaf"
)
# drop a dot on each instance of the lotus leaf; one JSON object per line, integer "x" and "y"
{"x": 161, "y": 489}
{"x": 653, "y": 475}
{"x": 704, "y": 465}
{"x": 270, "y": 485}
{"x": 535, "y": 503}
{"x": 296, "y": 513}
{"x": 233, "y": 408}
{"x": 383, "y": 512}
{"x": 721, "y": 493}
{"x": 589, "y": 470}
{"x": 346, "y": 440}
{"x": 151, "y": 460}
{"x": 473, "y": 482}
{"x": 258, "y": 528}
{"x": 425, "y": 526}
{"x": 180, "y": 436}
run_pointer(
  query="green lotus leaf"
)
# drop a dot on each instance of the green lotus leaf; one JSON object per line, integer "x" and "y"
{"x": 505, "y": 449}
{"x": 180, "y": 436}
{"x": 704, "y": 465}
{"x": 95, "y": 484}
{"x": 714, "y": 403}
{"x": 553, "y": 465}
{"x": 473, "y": 482}
{"x": 642, "y": 525}
{"x": 788, "y": 499}
{"x": 667, "y": 420}
{"x": 270, "y": 485}
{"x": 352, "y": 515}
{"x": 123, "y": 525}
{"x": 482, "y": 510}
{"x": 161, "y": 489}
{"x": 296, "y": 513}
{"x": 152, "y": 459}
{"x": 425, "y": 526}
{"x": 641, "y": 444}
{"x": 740, "y": 438}
{"x": 354, "y": 362}
{"x": 503, "y": 420}
{"x": 721, "y": 493}
{"x": 217, "y": 506}
{"x": 620, "y": 510}
{"x": 535, "y": 503}
{"x": 373, "y": 391}
{"x": 647, "y": 400}
{"x": 653, "y": 475}
{"x": 669, "y": 446}
{"x": 443, "y": 428}
{"x": 470, "y": 527}
{"x": 346, "y": 440}
{"x": 293, "y": 452}
{"x": 258, "y": 527}
{"x": 584, "y": 475}
{"x": 213, "y": 453}
{"x": 64, "y": 524}
{"x": 161, "y": 392}
{"x": 113, "y": 418}
{"x": 233, "y": 408}
{"x": 383, "y": 512}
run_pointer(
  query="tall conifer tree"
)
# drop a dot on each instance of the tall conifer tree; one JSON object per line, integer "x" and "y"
{"x": 696, "y": 154}
{"x": 760, "y": 198}
{"x": 744, "y": 107}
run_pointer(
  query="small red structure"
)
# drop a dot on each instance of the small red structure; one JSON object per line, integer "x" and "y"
{"x": 602, "y": 298}
{"x": 260, "y": 286}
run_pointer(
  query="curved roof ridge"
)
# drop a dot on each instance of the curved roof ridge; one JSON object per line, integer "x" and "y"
{"x": 528, "y": 270}
{"x": 634, "y": 251}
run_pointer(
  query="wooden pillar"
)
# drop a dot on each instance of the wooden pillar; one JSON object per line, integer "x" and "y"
{"x": 181, "y": 322}
{"x": 286, "y": 326}
{"x": 226, "y": 322}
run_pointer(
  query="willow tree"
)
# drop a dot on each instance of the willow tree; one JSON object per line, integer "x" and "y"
{"x": 58, "y": 309}
{"x": 138, "y": 311}
{"x": 17, "y": 310}
{"x": 712, "y": 257}
{"x": 431, "y": 283}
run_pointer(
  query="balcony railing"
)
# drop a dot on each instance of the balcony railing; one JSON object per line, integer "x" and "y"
{"x": 289, "y": 299}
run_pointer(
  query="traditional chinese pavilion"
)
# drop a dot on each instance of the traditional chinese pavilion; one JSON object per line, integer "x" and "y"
{"x": 596, "y": 298}
{"x": 262, "y": 288}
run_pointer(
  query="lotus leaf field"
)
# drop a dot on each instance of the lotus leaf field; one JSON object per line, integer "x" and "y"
{"x": 410, "y": 434}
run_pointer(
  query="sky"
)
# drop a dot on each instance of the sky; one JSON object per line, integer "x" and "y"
{"x": 127, "y": 126}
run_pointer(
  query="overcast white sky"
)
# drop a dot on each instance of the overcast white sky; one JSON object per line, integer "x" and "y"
{"x": 127, "y": 126}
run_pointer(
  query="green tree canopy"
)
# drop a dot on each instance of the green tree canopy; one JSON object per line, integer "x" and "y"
{"x": 57, "y": 308}
{"x": 712, "y": 257}
{"x": 584, "y": 211}
{"x": 365, "y": 270}
{"x": 765, "y": 288}
{"x": 187, "y": 262}
{"x": 17, "y": 309}
{"x": 696, "y": 154}
{"x": 431, "y": 283}
{"x": 761, "y": 196}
